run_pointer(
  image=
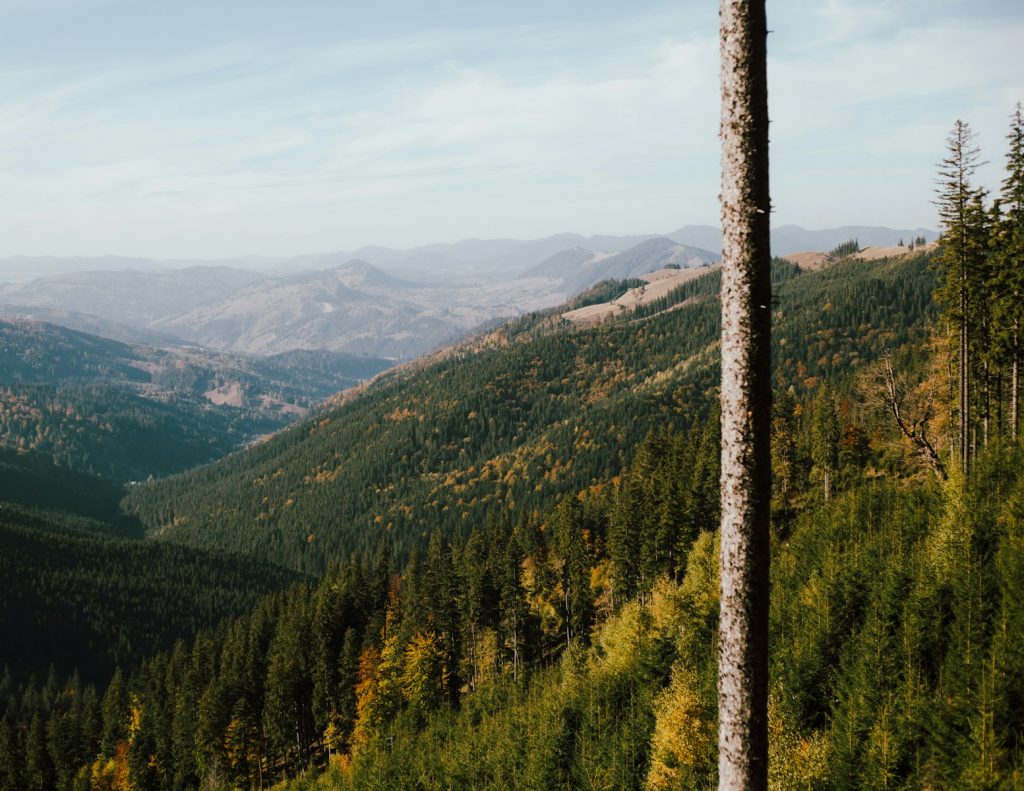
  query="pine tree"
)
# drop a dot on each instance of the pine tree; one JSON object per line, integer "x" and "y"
{"x": 478, "y": 599}
{"x": 11, "y": 759}
{"x": 959, "y": 259}
{"x": 288, "y": 715}
{"x": 443, "y": 591}
{"x": 1010, "y": 259}
{"x": 625, "y": 529}
{"x": 705, "y": 494}
{"x": 825, "y": 438}
{"x": 327, "y": 630}
{"x": 90, "y": 723}
{"x": 213, "y": 714}
{"x": 512, "y": 605}
{"x": 115, "y": 714}
{"x": 984, "y": 350}
{"x": 348, "y": 677}
{"x": 577, "y": 603}
{"x": 38, "y": 774}
{"x": 785, "y": 461}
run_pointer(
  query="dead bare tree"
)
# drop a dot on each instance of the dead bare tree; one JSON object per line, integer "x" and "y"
{"x": 911, "y": 408}
{"x": 746, "y": 400}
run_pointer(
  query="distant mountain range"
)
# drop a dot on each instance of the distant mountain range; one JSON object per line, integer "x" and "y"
{"x": 132, "y": 296}
{"x": 466, "y": 257}
{"x": 788, "y": 239}
{"x": 374, "y": 301}
{"x": 356, "y": 308}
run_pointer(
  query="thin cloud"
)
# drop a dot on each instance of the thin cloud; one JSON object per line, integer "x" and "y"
{"x": 524, "y": 130}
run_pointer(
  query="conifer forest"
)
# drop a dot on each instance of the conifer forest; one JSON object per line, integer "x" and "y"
{"x": 499, "y": 566}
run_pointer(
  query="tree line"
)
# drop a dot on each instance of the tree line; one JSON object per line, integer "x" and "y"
{"x": 981, "y": 260}
{"x": 380, "y": 646}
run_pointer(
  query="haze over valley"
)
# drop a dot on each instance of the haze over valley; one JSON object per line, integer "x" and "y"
{"x": 374, "y": 301}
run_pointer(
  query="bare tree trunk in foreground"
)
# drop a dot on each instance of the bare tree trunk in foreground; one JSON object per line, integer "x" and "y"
{"x": 746, "y": 400}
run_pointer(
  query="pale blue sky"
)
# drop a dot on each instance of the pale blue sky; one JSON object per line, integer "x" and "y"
{"x": 220, "y": 128}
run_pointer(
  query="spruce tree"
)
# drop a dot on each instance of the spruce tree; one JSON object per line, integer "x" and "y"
{"x": 825, "y": 438}
{"x": 348, "y": 676}
{"x": 442, "y": 593}
{"x": 572, "y": 550}
{"x": 624, "y": 533}
{"x": 959, "y": 259}
{"x": 39, "y": 775}
{"x": 512, "y": 605}
{"x": 11, "y": 758}
{"x": 115, "y": 714}
{"x": 1011, "y": 258}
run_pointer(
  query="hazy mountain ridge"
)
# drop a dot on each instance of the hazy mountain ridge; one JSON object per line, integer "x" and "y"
{"x": 131, "y": 296}
{"x": 793, "y": 239}
{"x": 579, "y": 267}
{"x": 91, "y": 324}
{"x": 375, "y": 301}
{"x": 34, "y": 352}
{"x": 464, "y": 258}
{"x": 646, "y": 257}
{"x": 355, "y": 308}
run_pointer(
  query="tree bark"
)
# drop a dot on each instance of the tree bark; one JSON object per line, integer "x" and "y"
{"x": 999, "y": 402}
{"x": 986, "y": 401}
{"x": 746, "y": 400}
{"x": 1014, "y": 381}
{"x": 965, "y": 394}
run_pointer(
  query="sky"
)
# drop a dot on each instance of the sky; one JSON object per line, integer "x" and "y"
{"x": 184, "y": 129}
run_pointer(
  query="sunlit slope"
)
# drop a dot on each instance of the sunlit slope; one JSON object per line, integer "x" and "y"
{"x": 517, "y": 417}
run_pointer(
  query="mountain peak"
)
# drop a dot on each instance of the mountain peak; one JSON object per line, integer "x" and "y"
{"x": 357, "y": 273}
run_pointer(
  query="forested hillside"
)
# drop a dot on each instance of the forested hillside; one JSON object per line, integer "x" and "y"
{"x": 897, "y": 644}
{"x": 102, "y": 406}
{"x": 455, "y": 501}
{"x": 516, "y": 418}
{"x": 517, "y": 557}
{"x": 79, "y": 589}
{"x": 575, "y": 649}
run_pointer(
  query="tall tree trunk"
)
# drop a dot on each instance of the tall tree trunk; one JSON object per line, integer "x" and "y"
{"x": 746, "y": 400}
{"x": 1015, "y": 380}
{"x": 950, "y": 399}
{"x": 999, "y": 402}
{"x": 965, "y": 438}
{"x": 986, "y": 403}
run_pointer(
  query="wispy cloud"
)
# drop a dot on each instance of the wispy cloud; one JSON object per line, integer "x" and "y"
{"x": 241, "y": 146}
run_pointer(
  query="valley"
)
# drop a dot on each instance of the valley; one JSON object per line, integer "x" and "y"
{"x": 508, "y": 530}
{"x": 102, "y": 406}
{"x": 371, "y": 421}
